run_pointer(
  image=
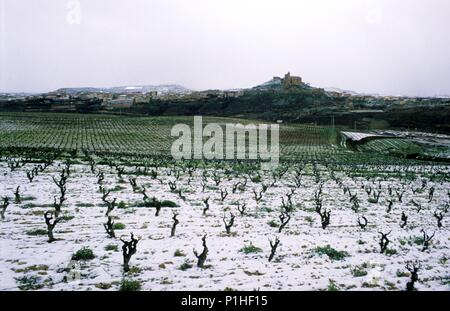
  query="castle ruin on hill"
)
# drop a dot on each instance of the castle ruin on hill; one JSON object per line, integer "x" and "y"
{"x": 289, "y": 81}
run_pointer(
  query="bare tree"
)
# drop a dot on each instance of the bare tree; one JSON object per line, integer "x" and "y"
{"x": 235, "y": 187}
{"x": 439, "y": 218}
{"x": 133, "y": 184}
{"x": 5, "y": 204}
{"x": 298, "y": 179}
{"x": 67, "y": 168}
{"x": 92, "y": 166}
{"x": 375, "y": 197}
{"x": 128, "y": 250}
{"x": 100, "y": 177}
{"x": 258, "y": 196}
{"x": 144, "y": 193}
{"x": 241, "y": 208}
{"x": 426, "y": 240}
{"x": 61, "y": 183}
{"x": 204, "y": 184}
{"x": 109, "y": 227}
{"x": 110, "y": 205}
{"x": 206, "y": 208}
{"x": 289, "y": 196}
{"x": 157, "y": 204}
{"x": 404, "y": 220}
{"x": 446, "y": 207}
{"x": 325, "y": 218}
{"x": 172, "y": 185}
{"x": 120, "y": 171}
{"x": 413, "y": 269}
{"x": 384, "y": 241}
{"x": 228, "y": 224}
{"x": 202, "y": 257}
{"x": 286, "y": 205}
{"x": 431, "y": 194}
{"x": 105, "y": 194}
{"x": 14, "y": 164}
{"x": 355, "y": 206}
{"x": 264, "y": 187}
{"x": 284, "y": 219}
{"x": 63, "y": 178}
{"x": 175, "y": 223}
{"x": 417, "y": 205}
{"x": 318, "y": 200}
{"x": 223, "y": 194}
{"x": 30, "y": 175}
{"x": 273, "y": 247}
{"x": 399, "y": 195}
{"x": 362, "y": 223}
{"x": 216, "y": 178}
{"x": 51, "y": 223}
{"x": 17, "y": 198}
{"x": 390, "y": 205}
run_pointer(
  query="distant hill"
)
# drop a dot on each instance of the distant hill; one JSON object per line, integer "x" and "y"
{"x": 161, "y": 89}
{"x": 282, "y": 84}
{"x": 286, "y": 98}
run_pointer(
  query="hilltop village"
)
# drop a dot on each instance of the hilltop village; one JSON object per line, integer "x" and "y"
{"x": 287, "y": 97}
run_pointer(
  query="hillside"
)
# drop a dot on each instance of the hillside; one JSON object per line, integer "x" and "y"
{"x": 287, "y": 98}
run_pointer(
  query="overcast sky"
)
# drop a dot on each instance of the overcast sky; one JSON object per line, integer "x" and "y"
{"x": 374, "y": 46}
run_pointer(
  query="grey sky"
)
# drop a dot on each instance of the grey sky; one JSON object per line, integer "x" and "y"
{"x": 377, "y": 46}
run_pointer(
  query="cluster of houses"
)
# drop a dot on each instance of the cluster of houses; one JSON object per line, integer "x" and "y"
{"x": 128, "y": 99}
{"x": 108, "y": 100}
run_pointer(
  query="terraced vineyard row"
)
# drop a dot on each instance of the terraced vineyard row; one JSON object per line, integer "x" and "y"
{"x": 150, "y": 136}
{"x": 101, "y": 134}
{"x": 384, "y": 145}
{"x": 136, "y": 136}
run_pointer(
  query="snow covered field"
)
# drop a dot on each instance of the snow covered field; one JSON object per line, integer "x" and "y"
{"x": 162, "y": 262}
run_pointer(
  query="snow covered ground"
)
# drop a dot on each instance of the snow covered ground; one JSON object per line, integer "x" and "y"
{"x": 296, "y": 265}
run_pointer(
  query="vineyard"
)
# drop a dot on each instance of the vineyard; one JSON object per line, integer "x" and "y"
{"x": 150, "y": 136}
{"x": 93, "y": 202}
{"x": 135, "y": 136}
{"x": 87, "y": 133}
